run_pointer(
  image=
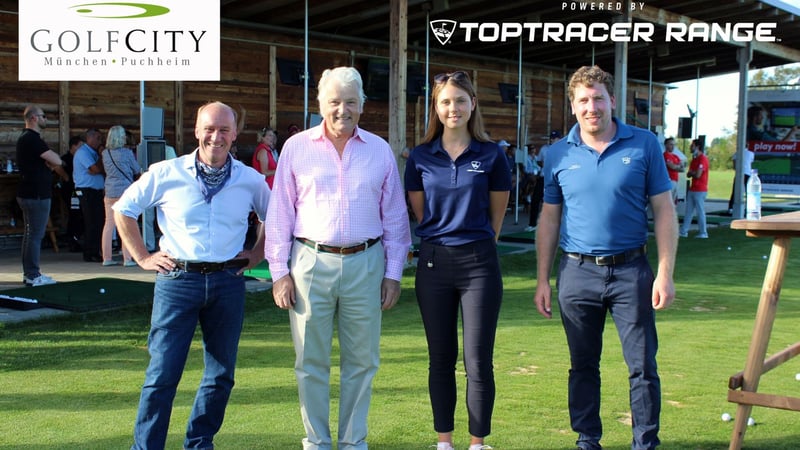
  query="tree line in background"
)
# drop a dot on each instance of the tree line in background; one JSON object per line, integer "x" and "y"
{"x": 721, "y": 150}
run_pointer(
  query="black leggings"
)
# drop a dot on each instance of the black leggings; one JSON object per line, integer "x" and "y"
{"x": 448, "y": 277}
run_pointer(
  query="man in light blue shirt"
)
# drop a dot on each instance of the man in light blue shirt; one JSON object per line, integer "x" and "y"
{"x": 89, "y": 178}
{"x": 202, "y": 200}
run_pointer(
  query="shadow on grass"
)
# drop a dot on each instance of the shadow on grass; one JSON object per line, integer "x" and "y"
{"x": 250, "y": 441}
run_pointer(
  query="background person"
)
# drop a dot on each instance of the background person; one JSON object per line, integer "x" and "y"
{"x": 458, "y": 185}
{"x": 88, "y": 174}
{"x": 698, "y": 191}
{"x": 756, "y": 126}
{"x": 338, "y": 217}
{"x": 121, "y": 170}
{"x": 598, "y": 182}
{"x": 202, "y": 200}
{"x": 74, "y": 216}
{"x": 675, "y": 166}
{"x": 265, "y": 157}
{"x": 36, "y": 162}
{"x": 534, "y": 186}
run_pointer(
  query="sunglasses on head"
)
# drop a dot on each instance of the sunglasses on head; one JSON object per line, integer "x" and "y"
{"x": 458, "y": 75}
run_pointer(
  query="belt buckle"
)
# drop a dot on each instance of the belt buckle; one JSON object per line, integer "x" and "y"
{"x": 207, "y": 268}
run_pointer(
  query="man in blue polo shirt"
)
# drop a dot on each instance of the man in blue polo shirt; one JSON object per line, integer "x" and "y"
{"x": 598, "y": 183}
{"x": 89, "y": 177}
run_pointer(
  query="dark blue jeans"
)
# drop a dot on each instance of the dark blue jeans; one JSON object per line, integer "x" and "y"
{"x": 586, "y": 293}
{"x": 181, "y": 300}
{"x": 35, "y": 213}
{"x": 466, "y": 277}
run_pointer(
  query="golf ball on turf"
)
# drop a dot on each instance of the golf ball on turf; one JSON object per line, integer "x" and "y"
{"x": 797, "y": 376}
{"x": 726, "y": 417}
{"x": 751, "y": 422}
{"x": 102, "y": 291}
{"x": 764, "y": 257}
{"x": 729, "y": 248}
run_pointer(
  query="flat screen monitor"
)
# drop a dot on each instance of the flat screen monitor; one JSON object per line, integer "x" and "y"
{"x": 292, "y": 72}
{"x": 642, "y": 105}
{"x": 376, "y": 84}
{"x": 152, "y": 123}
{"x": 150, "y": 152}
{"x": 508, "y": 92}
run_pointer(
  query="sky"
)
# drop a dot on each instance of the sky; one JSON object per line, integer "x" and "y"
{"x": 716, "y": 109}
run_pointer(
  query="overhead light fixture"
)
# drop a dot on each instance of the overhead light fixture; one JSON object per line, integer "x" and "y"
{"x": 707, "y": 62}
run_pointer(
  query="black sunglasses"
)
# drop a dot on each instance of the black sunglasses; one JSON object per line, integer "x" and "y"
{"x": 458, "y": 75}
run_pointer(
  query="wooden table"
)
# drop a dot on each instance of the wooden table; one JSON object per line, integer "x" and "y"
{"x": 743, "y": 385}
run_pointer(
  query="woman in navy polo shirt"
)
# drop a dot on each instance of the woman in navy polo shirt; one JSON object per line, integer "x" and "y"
{"x": 458, "y": 184}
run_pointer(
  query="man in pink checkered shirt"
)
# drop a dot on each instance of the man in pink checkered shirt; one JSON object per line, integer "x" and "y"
{"x": 338, "y": 216}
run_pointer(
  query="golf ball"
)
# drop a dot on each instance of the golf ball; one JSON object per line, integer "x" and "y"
{"x": 751, "y": 422}
{"x": 764, "y": 257}
{"x": 102, "y": 291}
{"x": 797, "y": 376}
{"x": 729, "y": 248}
{"x": 726, "y": 417}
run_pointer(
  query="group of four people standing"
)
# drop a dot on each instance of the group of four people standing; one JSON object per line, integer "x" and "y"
{"x": 336, "y": 235}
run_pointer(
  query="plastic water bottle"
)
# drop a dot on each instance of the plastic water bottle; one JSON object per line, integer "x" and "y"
{"x": 753, "y": 196}
{"x": 9, "y": 166}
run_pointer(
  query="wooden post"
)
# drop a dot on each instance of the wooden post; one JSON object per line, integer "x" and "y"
{"x": 398, "y": 47}
{"x": 273, "y": 88}
{"x": 63, "y": 117}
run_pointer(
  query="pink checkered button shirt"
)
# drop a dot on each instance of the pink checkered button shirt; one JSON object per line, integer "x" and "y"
{"x": 336, "y": 201}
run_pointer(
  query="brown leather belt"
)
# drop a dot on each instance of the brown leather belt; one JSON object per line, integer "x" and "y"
{"x": 210, "y": 267}
{"x": 338, "y": 250}
{"x": 610, "y": 260}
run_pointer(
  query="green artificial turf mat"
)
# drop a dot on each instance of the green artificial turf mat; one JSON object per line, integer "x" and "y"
{"x": 84, "y": 295}
{"x": 261, "y": 271}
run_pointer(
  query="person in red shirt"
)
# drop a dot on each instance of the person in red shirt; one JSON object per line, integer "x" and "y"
{"x": 696, "y": 197}
{"x": 265, "y": 158}
{"x": 675, "y": 166}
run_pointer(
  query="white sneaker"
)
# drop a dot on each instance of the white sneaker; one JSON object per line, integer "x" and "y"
{"x": 443, "y": 446}
{"x": 701, "y": 236}
{"x": 480, "y": 447}
{"x": 530, "y": 228}
{"x": 41, "y": 280}
{"x": 683, "y": 234}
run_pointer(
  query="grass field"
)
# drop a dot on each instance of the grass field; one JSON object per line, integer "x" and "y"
{"x": 73, "y": 383}
{"x": 720, "y": 183}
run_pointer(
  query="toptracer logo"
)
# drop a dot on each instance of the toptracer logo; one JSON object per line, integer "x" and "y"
{"x": 118, "y": 41}
{"x": 443, "y": 29}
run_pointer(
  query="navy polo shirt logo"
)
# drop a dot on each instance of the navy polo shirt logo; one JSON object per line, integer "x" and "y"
{"x": 476, "y": 167}
{"x": 626, "y": 160}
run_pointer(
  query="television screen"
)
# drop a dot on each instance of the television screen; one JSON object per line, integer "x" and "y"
{"x": 642, "y": 105}
{"x": 150, "y": 152}
{"x": 152, "y": 122}
{"x": 291, "y": 72}
{"x": 785, "y": 116}
{"x": 376, "y": 84}
{"x": 508, "y": 92}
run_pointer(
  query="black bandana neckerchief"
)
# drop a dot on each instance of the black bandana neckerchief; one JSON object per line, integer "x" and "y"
{"x": 212, "y": 179}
